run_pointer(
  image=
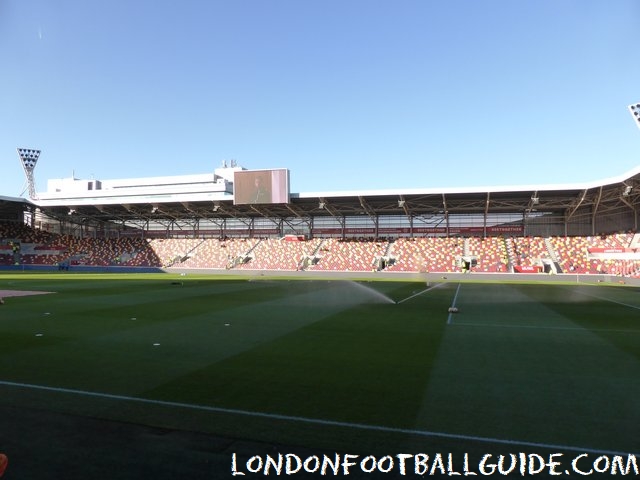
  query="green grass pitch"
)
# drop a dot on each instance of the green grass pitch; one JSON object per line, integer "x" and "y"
{"x": 330, "y": 365}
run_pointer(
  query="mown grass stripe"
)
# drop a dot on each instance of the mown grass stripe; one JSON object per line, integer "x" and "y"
{"x": 453, "y": 304}
{"x": 543, "y": 327}
{"x": 636, "y": 307}
{"x": 316, "y": 421}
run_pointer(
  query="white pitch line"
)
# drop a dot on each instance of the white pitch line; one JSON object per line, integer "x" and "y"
{"x": 420, "y": 293}
{"x": 453, "y": 304}
{"x": 315, "y": 421}
{"x": 607, "y": 300}
{"x": 543, "y": 327}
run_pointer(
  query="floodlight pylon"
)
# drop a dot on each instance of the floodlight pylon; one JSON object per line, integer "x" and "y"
{"x": 29, "y": 158}
{"x": 634, "y": 110}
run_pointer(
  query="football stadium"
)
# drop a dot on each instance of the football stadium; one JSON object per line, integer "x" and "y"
{"x": 218, "y": 325}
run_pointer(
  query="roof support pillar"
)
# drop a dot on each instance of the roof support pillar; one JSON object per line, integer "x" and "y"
{"x": 595, "y": 210}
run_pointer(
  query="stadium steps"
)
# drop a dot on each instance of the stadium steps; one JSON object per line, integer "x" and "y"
{"x": 315, "y": 252}
{"x": 555, "y": 265}
{"x": 387, "y": 259}
{"x": 511, "y": 256}
{"x": 250, "y": 251}
{"x": 245, "y": 257}
{"x": 311, "y": 259}
{"x": 552, "y": 252}
{"x": 505, "y": 248}
{"x": 187, "y": 255}
{"x": 387, "y": 251}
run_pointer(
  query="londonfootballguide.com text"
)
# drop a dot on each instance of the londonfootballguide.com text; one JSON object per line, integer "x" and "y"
{"x": 522, "y": 464}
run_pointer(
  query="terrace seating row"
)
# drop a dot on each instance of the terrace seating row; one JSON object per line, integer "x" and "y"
{"x": 434, "y": 254}
{"x": 430, "y": 254}
{"x": 170, "y": 251}
{"x": 279, "y": 254}
{"x": 6, "y": 259}
{"x": 350, "y": 255}
{"x": 219, "y": 254}
{"x": 24, "y": 233}
{"x": 571, "y": 253}
{"x": 48, "y": 249}
{"x": 490, "y": 252}
{"x": 527, "y": 251}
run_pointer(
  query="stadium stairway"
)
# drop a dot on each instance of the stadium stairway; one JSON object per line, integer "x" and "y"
{"x": 555, "y": 263}
{"x": 188, "y": 254}
{"x": 244, "y": 258}
{"x": 312, "y": 258}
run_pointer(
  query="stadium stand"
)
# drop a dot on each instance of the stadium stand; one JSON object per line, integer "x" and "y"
{"x": 490, "y": 252}
{"x": 528, "y": 251}
{"x": 173, "y": 251}
{"x": 611, "y": 254}
{"x": 197, "y": 222}
{"x": 431, "y": 254}
{"x": 356, "y": 255}
{"x": 280, "y": 254}
{"x": 571, "y": 253}
{"x": 218, "y": 254}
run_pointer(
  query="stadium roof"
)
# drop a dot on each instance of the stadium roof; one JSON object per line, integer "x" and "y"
{"x": 13, "y": 208}
{"x": 619, "y": 193}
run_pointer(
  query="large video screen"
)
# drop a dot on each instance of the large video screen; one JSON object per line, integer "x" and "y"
{"x": 261, "y": 186}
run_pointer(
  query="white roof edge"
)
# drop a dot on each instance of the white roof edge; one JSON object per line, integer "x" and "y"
{"x": 354, "y": 193}
{"x": 134, "y": 199}
{"x": 503, "y": 188}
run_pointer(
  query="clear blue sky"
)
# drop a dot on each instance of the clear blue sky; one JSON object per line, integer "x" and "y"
{"x": 347, "y": 94}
